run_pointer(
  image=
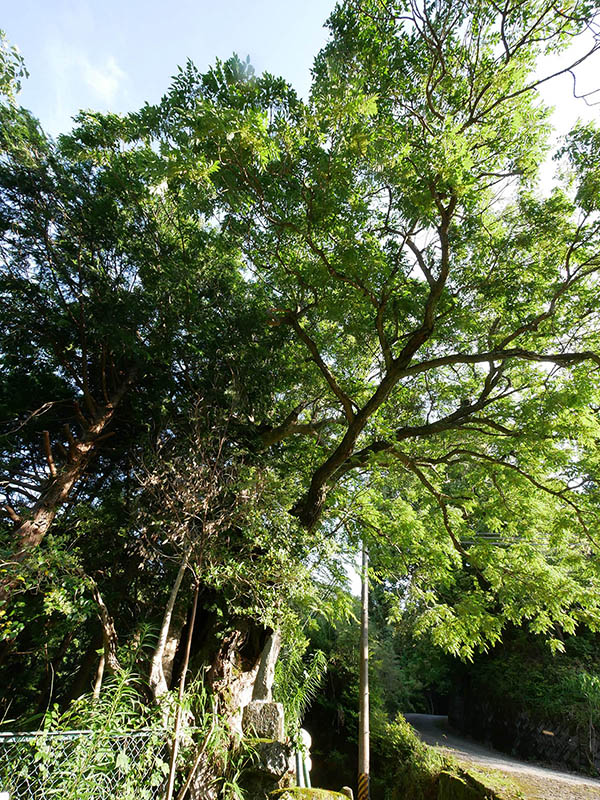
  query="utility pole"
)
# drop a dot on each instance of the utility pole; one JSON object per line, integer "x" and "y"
{"x": 363, "y": 714}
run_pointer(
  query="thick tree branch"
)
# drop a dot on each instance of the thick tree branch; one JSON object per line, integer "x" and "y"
{"x": 344, "y": 399}
{"x": 283, "y": 431}
{"x": 308, "y": 508}
{"x": 421, "y": 262}
{"x": 109, "y": 633}
{"x": 32, "y": 530}
{"x": 561, "y": 359}
{"x": 457, "y": 419}
{"x": 422, "y": 334}
{"x": 48, "y": 452}
{"x": 12, "y": 514}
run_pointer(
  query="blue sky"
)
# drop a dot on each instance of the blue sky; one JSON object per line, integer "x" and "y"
{"x": 111, "y": 54}
{"x": 116, "y": 54}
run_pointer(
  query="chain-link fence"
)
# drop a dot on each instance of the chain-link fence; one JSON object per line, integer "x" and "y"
{"x": 83, "y": 765}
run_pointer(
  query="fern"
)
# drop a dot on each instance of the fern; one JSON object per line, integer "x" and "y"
{"x": 297, "y": 683}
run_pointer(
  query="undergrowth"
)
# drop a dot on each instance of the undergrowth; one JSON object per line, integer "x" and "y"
{"x": 410, "y": 768}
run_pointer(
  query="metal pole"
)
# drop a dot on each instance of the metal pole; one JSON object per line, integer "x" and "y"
{"x": 306, "y": 772}
{"x": 363, "y": 714}
{"x": 299, "y": 770}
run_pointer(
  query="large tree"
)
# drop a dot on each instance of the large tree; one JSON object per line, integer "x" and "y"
{"x": 418, "y": 354}
{"x": 107, "y": 288}
{"x": 447, "y": 311}
{"x": 136, "y": 359}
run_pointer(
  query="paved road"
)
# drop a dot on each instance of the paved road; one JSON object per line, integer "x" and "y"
{"x": 435, "y": 731}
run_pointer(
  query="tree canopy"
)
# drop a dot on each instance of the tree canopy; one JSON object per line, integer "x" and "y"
{"x": 239, "y": 328}
{"x": 446, "y": 310}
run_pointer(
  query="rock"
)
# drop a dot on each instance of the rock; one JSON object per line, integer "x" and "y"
{"x": 264, "y": 720}
{"x": 274, "y": 758}
{"x": 271, "y": 771}
{"x": 266, "y": 670}
{"x": 347, "y": 792}
{"x": 306, "y": 738}
{"x": 273, "y": 768}
{"x": 451, "y": 787}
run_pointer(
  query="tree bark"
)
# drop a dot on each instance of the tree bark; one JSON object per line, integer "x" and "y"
{"x": 30, "y": 532}
{"x": 158, "y": 679}
{"x": 99, "y": 677}
{"x": 109, "y": 636}
{"x": 233, "y": 675}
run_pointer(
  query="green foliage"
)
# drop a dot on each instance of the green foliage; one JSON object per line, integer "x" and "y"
{"x": 527, "y": 675}
{"x": 411, "y": 768}
{"x": 390, "y": 334}
{"x": 424, "y": 306}
{"x": 299, "y": 793}
{"x": 219, "y": 755}
{"x": 62, "y": 594}
{"x": 110, "y": 745}
{"x": 409, "y": 671}
{"x": 12, "y": 69}
{"x": 297, "y": 682}
{"x": 116, "y": 744}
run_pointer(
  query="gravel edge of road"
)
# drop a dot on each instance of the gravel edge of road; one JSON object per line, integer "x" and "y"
{"x": 555, "y": 784}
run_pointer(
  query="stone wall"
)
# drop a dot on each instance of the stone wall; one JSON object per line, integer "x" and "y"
{"x": 564, "y": 742}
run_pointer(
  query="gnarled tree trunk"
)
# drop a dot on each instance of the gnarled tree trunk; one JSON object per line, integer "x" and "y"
{"x": 109, "y": 641}
{"x": 30, "y": 532}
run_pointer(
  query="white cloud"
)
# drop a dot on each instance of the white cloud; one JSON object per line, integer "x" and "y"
{"x": 78, "y": 80}
{"x": 106, "y": 80}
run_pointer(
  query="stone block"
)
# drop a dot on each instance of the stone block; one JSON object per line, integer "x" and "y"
{"x": 273, "y": 758}
{"x": 271, "y": 771}
{"x": 263, "y": 720}
{"x": 266, "y": 670}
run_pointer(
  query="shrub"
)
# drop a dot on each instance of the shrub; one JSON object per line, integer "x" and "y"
{"x": 410, "y": 767}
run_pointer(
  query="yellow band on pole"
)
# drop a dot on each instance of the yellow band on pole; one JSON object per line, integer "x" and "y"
{"x": 363, "y": 786}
